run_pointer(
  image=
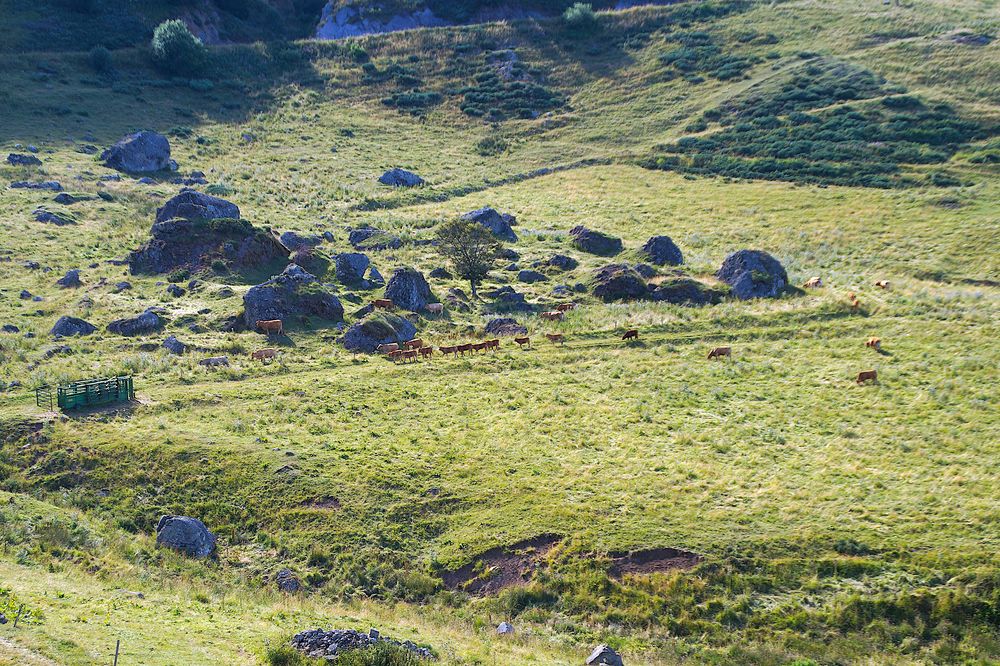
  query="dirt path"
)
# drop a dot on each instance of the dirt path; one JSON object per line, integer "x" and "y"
{"x": 12, "y": 653}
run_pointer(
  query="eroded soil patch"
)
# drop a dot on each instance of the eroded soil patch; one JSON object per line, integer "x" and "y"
{"x": 653, "y": 560}
{"x": 501, "y": 567}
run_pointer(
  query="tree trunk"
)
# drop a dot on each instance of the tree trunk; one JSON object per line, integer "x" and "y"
{"x": 475, "y": 294}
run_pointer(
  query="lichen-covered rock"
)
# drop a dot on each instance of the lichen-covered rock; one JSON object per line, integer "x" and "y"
{"x": 505, "y": 326}
{"x": 351, "y": 267}
{"x": 529, "y": 276}
{"x": 70, "y": 280}
{"x": 604, "y": 656}
{"x": 67, "y": 326}
{"x": 141, "y": 324}
{"x": 595, "y": 242}
{"x": 187, "y": 535}
{"x": 370, "y": 238}
{"x": 174, "y": 346}
{"x": 296, "y": 241}
{"x": 142, "y": 152}
{"x": 378, "y": 329}
{"x": 562, "y": 262}
{"x": 194, "y": 205}
{"x": 753, "y": 274}
{"x": 618, "y": 282}
{"x": 293, "y": 293}
{"x": 400, "y": 178}
{"x": 204, "y": 243}
{"x": 16, "y": 159}
{"x": 56, "y": 217}
{"x": 498, "y": 225}
{"x": 685, "y": 291}
{"x": 661, "y": 250}
{"x": 408, "y": 289}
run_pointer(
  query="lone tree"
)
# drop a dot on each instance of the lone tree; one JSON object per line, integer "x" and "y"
{"x": 176, "y": 50}
{"x": 471, "y": 248}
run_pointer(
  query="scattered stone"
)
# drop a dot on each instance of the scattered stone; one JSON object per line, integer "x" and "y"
{"x": 562, "y": 262}
{"x": 509, "y": 254}
{"x": 10, "y": 328}
{"x": 32, "y": 265}
{"x": 645, "y": 270}
{"x": 293, "y": 293}
{"x": 69, "y": 326}
{"x": 351, "y": 267}
{"x": 188, "y": 535}
{"x": 197, "y": 206}
{"x": 121, "y": 286}
{"x": 110, "y": 178}
{"x": 494, "y": 221}
{"x": 16, "y": 159}
{"x": 440, "y": 274}
{"x": 24, "y": 295}
{"x": 685, "y": 291}
{"x": 32, "y": 148}
{"x": 507, "y": 299}
{"x": 105, "y": 196}
{"x": 328, "y": 236}
{"x": 174, "y": 346}
{"x": 295, "y": 241}
{"x": 375, "y": 277}
{"x": 66, "y": 199}
{"x": 512, "y": 267}
{"x": 505, "y": 629}
{"x": 42, "y": 185}
{"x": 175, "y": 290}
{"x": 400, "y": 178}
{"x": 604, "y": 656}
{"x": 55, "y": 351}
{"x": 370, "y": 238}
{"x": 530, "y": 276}
{"x": 408, "y": 289}
{"x": 595, "y": 242}
{"x": 59, "y": 218}
{"x": 142, "y": 152}
{"x": 379, "y": 329}
{"x": 146, "y": 180}
{"x": 71, "y": 279}
{"x": 661, "y": 250}
{"x": 215, "y": 362}
{"x": 505, "y": 326}
{"x": 319, "y": 644}
{"x": 287, "y": 581}
{"x": 753, "y": 274}
{"x": 141, "y": 324}
{"x": 618, "y": 282}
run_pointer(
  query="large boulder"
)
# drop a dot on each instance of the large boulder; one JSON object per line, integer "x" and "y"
{"x": 141, "y": 324}
{"x": 142, "y": 152}
{"x": 194, "y": 205}
{"x": 685, "y": 291}
{"x": 174, "y": 346}
{"x": 661, "y": 250}
{"x": 351, "y": 267}
{"x": 71, "y": 279}
{"x": 505, "y": 326}
{"x": 604, "y": 656}
{"x": 618, "y": 282}
{"x": 498, "y": 225}
{"x": 595, "y": 242}
{"x": 753, "y": 274}
{"x": 408, "y": 289}
{"x": 378, "y": 329}
{"x": 294, "y": 292}
{"x": 187, "y": 535}
{"x": 508, "y": 299}
{"x": 400, "y": 178}
{"x": 17, "y": 159}
{"x": 69, "y": 326}
{"x": 200, "y": 244}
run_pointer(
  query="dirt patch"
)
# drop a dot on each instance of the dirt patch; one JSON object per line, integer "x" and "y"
{"x": 502, "y": 567}
{"x": 968, "y": 38}
{"x": 331, "y": 503}
{"x": 651, "y": 561}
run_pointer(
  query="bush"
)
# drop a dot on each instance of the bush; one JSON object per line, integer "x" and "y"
{"x": 581, "y": 18}
{"x": 100, "y": 60}
{"x": 176, "y": 50}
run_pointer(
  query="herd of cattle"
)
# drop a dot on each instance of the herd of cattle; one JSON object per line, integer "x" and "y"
{"x": 415, "y": 349}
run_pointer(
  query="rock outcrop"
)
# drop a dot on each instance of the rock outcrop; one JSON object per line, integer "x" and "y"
{"x": 408, "y": 289}
{"x": 595, "y": 242}
{"x": 378, "y": 329}
{"x": 618, "y": 282}
{"x": 141, "y": 324}
{"x": 661, "y": 250}
{"x": 753, "y": 274}
{"x": 294, "y": 293}
{"x": 67, "y": 326}
{"x": 187, "y": 535}
{"x": 499, "y": 225}
{"x": 685, "y": 291}
{"x": 328, "y": 645}
{"x": 505, "y": 326}
{"x": 142, "y": 152}
{"x": 400, "y": 178}
{"x": 351, "y": 267}
{"x": 194, "y": 205}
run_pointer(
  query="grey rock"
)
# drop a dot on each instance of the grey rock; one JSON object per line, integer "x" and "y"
{"x": 351, "y": 267}
{"x": 71, "y": 279}
{"x": 509, "y": 254}
{"x": 121, "y": 286}
{"x": 562, "y": 262}
{"x": 505, "y": 326}
{"x": 494, "y": 221}
{"x": 400, "y": 178}
{"x": 215, "y": 362}
{"x": 370, "y": 238}
{"x": 507, "y": 299}
{"x": 661, "y": 250}
{"x": 379, "y": 329}
{"x": 604, "y": 656}
{"x": 66, "y": 199}
{"x": 753, "y": 274}
{"x": 287, "y": 581}
{"x": 194, "y": 205}
{"x": 595, "y": 242}
{"x": 295, "y": 241}
{"x": 69, "y": 326}
{"x": 375, "y": 277}
{"x": 56, "y": 351}
{"x": 32, "y": 148}
{"x": 175, "y": 290}
{"x": 42, "y": 185}
{"x": 174, "y": 346}
{"x": 685, "y": 291}
{"x": 645, "y": 270}
{"x": 512, "y": 267}
{"x": 293, "y": 293}
{"x": 530, "y": 276}
{"x": 142, "y": 152}
{"x": 24, "y": 295}
{"x": 145, "y": 180}
{"x": 16, "y": 159}
{"x": 187, "y": 535}
{"x": 141, "y": 324}
{"x": 408, "y": 289}
{"x": 618, "y": 282}
{"x": 42, "y": 214}
{"x": 10, "y": 328}
{"x": 440, "y": 274}
{"x": 505, "y": 629}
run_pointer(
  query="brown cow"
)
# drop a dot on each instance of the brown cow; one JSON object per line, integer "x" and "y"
{"x": 493, "y": 344}
{"x": 383, "y": 304}
{"x": 851, "y": 296}
{"x": 553, "y": 315}
{"x": 410, "y": 355}
{"x": 415, "y": 343}
{"x": 479, "y": 346}
{"x": 426, "y": 352}
{"x": 449, "y": 350}
{"x": 264, "y": 355}
{"x": 271, "y": 327}
{"x": 523, "y": 342}
{"x": 566, "y": 307}
{"x": 396, "y": 356}
{"x": 435, "y": 308}
{"x": 867, "y": 375}
{"x": 813, "y": 283}
{"x": 387, "y": 348}
{"x": 464, "y": 348}
{"x": 631, "y": 334}
{"x": 874, "y": 343}
{"x": 556, "y": 337}
{"x": 719, "y": 352}
{"x": 855, "y": 304}
{"x": 883, "y": 284}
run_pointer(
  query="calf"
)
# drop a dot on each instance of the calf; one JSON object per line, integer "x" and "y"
{"x": 556, "y": 337}
{"x": 464, "y": 348}
{"x": 523, "y": 342}
{"x": 396, "y": 356}
{"x": 264, "y": 355}
{"x": 631, "y": 334}
{"x": 867, "y": 375}
{"x": 383, "y": 304}
{"x": 493, "y": 344}
{"x": 415, "y": 343}
{"x": 874, "y": 343}
{"x": 883, "y": 284}
{"x": 553, "y": 315}
{"x": 271, "y": 327}
{"x": 812, "y": 283}
{"x": 719, "y": 352}
{"x": 387, "y": 348}
{"x": 566, "y": 307}
{"x": 426, "y": 352}
{"x": 409, "y": 355}
{"x": 435, "y": 308}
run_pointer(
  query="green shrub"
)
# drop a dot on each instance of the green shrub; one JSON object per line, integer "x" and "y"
{"x": 581, "y": 18}
{"x": 492, "y": 145}
{"x": 176, "y": 50}
{"x": 100, "y": 60}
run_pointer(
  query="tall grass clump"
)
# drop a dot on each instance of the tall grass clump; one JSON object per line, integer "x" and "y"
{"x": 176, "y": 50}
{"x": 581, "y": 19}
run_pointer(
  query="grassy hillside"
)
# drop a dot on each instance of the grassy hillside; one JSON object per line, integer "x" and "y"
{"x": 834, "y": 523}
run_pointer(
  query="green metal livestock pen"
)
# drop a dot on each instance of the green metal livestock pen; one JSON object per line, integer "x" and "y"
{"x": 87, "y": 393}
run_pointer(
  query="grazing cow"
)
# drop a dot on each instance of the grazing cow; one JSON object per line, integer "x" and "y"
{"x": 553, "y": 315}
{"x": 264, "y": 355}
{"x": 271, "y": 327}
{"x": 387, "y": 348}
{"x": 523, "y": 342}
{"x": 867, "y": 375}
{"x": 415, "y": 343}
{"x": 449, "y": 350}
{"x": 383, "y": 304}
{"x": 464, "y": 348}
{"x": 874, "y": 343}
{"x": 813, "y": 283}
{"x": 479, "y": 346}
{"x": 855, "y": 304}
{"x": 435, "y": 308}
{"x": 883, "y": 284}
{"x": 427, "y": 352}
{"x": 493, "y": 344}
{"x": 215, "y": 362}
{"x": 556, "y": 337}
{"x": 719, "y": 352}
{"x": 631, "y": 334}
{"x": 396, "y": 356}
{"x": 410, "y": 355}
{"x": 566, "y": 307}
{"x": 851, "y": 296}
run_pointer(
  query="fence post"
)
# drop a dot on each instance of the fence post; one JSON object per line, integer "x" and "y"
{"x": 18, "y": 616}
{"x": 118, "y": 644}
